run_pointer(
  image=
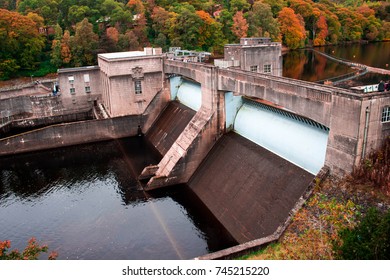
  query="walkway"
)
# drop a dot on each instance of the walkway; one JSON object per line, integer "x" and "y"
{"x": 354, "y": 64}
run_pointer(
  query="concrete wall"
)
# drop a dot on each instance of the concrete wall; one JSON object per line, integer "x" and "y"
{"x": 119, "y": 76}
{"x": 69, "y": 134}
{"x": 85, "y": 92}
{"x": 16, "y": 106}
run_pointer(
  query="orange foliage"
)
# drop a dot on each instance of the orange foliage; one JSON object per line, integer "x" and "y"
{"x": 113, "y": 34}
{"x": 240, "y": 25}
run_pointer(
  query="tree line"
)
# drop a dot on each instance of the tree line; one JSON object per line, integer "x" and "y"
{"x": 69, "y": 33}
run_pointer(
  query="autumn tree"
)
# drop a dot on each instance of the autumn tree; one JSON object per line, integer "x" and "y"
{"x": 161, "y": 21}
{"x": 321, "y": 28}
{"x": 351, "y": 28}
{"x": 292, "y": 28}
{"x": 240, "y": 25}
{"x": 210, "y": 33}
{"x": 20, "y": 43}
{"x": 83, "y": 44}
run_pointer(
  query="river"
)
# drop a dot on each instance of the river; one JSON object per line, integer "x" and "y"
{"x": 85, "y": 203}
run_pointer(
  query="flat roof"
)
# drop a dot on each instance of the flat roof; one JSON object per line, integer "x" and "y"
{"x": 122, "y": 54}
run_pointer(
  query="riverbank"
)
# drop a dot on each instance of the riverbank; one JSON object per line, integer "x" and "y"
{"x": 334, "y": 205}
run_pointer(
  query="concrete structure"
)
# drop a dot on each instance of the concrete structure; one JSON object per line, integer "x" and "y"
{"x": 130, "y": 80}
{"x": 258, "y": 55}
{"x": 138, "y": 83}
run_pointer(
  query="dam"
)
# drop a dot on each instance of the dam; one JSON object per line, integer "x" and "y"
{"x": 247, "y": 142}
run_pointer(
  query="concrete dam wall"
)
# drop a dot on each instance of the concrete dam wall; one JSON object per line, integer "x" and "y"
{"x": 250, "y": 190}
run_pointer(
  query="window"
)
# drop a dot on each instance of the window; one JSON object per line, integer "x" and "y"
{"x": 71, "y": 79}
{"x": 86, "y": 78}
{"x": 254, "y": 68}
{"x": 267, "y": 68}
{"x": 87, "y": 89}
{"x": 72, "y": 90}
{"x": 138, "y": 87}
{"x": 386, "y": 114}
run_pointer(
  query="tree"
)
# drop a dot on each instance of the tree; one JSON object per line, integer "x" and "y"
{"x": 184, "y": 26}
{"x": 210, "y": 33}
{"x": 20, "y": 43}
{"x": 321, "y": 28}
{"x": 240, "y": 25}
{"x": 225, "y": 18}
{"x": 239, "y": 5}
{"x": 261, "y": 22}
{"x": 32, "y": 251}
{"x": 292, "y": 28}
{"x": 84, "y": 44}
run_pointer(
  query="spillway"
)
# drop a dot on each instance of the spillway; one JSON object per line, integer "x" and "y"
{"x": 249, "y": 189}
{"x": 169, "y": 126}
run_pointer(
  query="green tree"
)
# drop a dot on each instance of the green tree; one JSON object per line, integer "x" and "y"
{"x": 83, "y": 44}
{"x": 225, "y": 18}
{"x": 184, "y": 27}
{"x": 239, "y": 5}
{"x": 261, "y": 22}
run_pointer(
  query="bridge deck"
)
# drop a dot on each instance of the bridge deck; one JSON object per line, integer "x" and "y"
{"x": 249, "y": 189}
{"x": 169, "y": 126}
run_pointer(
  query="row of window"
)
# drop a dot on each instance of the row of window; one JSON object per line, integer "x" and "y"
{"x": 87, "y": 90}
{"x": 267, "y": 68}
{"x": 86, "y": 79}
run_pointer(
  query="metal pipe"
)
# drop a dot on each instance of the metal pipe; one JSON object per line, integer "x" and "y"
{"x": 365, "y": 132}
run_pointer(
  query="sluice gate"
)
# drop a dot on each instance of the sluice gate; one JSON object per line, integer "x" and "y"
{"x": 294, "y": 138}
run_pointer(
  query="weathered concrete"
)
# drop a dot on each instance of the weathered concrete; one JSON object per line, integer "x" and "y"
{"x": 119, "y": 75}
{"x": 342, "y": 111}
{"x": 69, "y": 134}
{"x": 169, "y": 126}
{"x": 249, "y": 189}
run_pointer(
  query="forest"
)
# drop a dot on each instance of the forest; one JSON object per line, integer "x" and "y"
{"x": 39, "y": 36}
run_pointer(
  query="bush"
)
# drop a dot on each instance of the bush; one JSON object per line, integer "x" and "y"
{"x": 369, "y": 240}
{"x": 31, "y": 252}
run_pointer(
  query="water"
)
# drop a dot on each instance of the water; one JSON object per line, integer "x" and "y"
{"x": 85, "y": 203}
{"x": 309, "y": 66}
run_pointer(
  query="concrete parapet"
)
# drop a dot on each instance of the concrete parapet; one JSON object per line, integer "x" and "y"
{"x": 69, "y": 134}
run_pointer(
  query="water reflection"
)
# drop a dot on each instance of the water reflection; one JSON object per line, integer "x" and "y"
{"x": 310, "y": 66}
{"x": 85, "y": 203}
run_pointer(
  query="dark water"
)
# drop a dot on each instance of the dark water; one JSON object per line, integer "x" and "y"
{"x": 309, "y": 66}
{"x": 85, "y": 203}
{"x": 372, "y": 54}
